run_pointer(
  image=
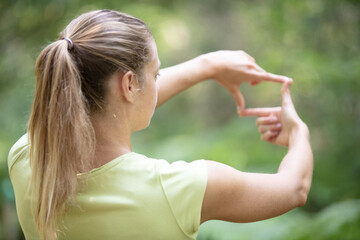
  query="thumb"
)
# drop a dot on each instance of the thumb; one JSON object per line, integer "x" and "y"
{"x": 286, "y": 97}
{"x": 239, "y": 100}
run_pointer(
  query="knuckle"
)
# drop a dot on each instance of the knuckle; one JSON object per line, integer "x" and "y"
{"x": 249, "y": 65}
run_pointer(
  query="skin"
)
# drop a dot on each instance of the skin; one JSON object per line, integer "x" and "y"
{"x": 236, "y": 196}
{"x": 229, "y": 68}
{"x": 129, "y": 108}
{"x": 231, "y": 195}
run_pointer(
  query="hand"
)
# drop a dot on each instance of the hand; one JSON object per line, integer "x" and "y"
{"x": 232, "y": 68}
{"x": 277, "y": 124}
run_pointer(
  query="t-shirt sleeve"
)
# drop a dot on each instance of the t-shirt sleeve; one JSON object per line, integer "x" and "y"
{"x": 19, "y": 148}
{"x": 184, "y": 186}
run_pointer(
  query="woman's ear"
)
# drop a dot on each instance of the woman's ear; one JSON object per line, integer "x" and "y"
{"x": 128, "y": 85}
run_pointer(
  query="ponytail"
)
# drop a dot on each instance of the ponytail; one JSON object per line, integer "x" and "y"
{"x": 61, "y": 135}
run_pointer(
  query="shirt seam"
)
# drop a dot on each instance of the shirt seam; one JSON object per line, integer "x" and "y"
{"x": 107, "y": 167}
{"x": 204, "y": 186}
{"x": 22, "y": 151}
{"x": 167, "y": 200}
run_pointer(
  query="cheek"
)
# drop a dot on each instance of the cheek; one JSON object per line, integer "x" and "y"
{"x": 153, "y": 93}
{"x": 156, "y": 91}
{"x": 149, "y": 101}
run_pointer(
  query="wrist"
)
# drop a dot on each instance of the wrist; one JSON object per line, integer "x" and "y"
{"x": 299, "y": 130}
{"x": 208, "y": 65}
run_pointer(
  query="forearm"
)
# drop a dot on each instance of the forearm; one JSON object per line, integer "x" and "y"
{"x": 237, "y": 196}
{"x": 175, "y": 79}
{"x": 297, "y": 165}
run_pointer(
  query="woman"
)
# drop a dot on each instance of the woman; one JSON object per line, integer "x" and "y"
{"x": 74, "y": 174}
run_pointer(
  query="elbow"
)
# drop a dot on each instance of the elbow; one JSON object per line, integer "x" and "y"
{"x": 302, "y": 193}
{"x": 302, "y": 198}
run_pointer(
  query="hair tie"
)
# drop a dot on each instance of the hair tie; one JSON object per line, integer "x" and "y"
{"x": 70, "y": 43}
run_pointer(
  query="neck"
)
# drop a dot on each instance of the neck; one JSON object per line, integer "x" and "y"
{"x": 113, "y": 137}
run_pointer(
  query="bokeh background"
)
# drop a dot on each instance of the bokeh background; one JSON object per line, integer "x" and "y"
{"x": 316, "y": 42}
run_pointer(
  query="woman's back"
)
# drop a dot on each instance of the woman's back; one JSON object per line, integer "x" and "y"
{"x": 131, "y": 197}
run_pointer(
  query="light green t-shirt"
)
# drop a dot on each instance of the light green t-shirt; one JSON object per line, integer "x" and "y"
{"x": 131, "y": 197}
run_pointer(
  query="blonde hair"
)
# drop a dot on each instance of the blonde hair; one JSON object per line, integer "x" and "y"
{"x": 70, "y": 85}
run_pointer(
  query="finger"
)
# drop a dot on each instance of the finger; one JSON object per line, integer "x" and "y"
{"x": 270, "y": 77}
{"x": 266, "y": 120}
{"x": 286, "y": 97}
{"x": 258, "y": 68}
{"x": 269, "y": 135}
{"x": 271, "y": 127}
{"x": 239, "y": 100}
{"x": 261, "y": 112}
{"x": 273, "y": 136}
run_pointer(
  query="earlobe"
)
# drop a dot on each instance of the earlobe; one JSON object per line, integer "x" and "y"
{"x": 127, "y": 87}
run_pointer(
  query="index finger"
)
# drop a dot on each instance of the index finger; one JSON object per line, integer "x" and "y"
{"x": 260, "y": 112}
{"x": 270, "y": 77}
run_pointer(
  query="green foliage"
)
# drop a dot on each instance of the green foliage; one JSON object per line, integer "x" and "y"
{"x": 317, "y": 43}
{"x": 338, "y": 221}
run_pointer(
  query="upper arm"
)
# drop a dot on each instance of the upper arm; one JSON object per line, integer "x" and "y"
{"x": 237, "y": 196}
